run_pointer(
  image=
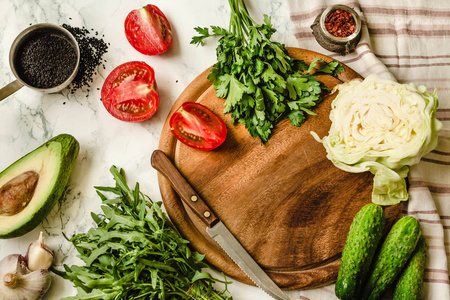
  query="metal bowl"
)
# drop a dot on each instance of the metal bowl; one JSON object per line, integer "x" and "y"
{"x": 32, "y": 31}
{"x": 24, "y": 36}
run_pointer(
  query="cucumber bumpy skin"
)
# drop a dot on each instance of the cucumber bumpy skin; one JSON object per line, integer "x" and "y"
{"x": 410, "y": 283}
{"x": 392, "y": 257}
{"x": 362, "y": 241}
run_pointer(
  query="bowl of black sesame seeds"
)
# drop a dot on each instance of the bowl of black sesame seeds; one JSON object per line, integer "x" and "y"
{"x": 43, "y": 57}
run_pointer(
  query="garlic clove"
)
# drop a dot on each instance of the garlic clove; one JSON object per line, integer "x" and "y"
{"x": 36, "y": 284}
{"x": 39, "y": 256}
{"x": 18, "y": 282}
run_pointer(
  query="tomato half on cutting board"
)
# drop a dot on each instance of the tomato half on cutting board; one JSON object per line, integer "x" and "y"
{"x": 197, "y": 126}
{"x": 148, "y": 30}
{"x": 130, "y": 93}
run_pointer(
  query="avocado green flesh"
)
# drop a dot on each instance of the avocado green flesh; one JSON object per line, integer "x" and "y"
{"x": 53, "y": 161}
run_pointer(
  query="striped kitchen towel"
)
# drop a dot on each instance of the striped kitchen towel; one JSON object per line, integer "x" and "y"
{"x": 409, "y": 41}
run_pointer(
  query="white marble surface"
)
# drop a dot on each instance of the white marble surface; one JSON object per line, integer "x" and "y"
{"x": 28, "y": 119}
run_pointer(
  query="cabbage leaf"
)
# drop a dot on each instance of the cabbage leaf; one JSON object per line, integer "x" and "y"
{"x": 384, "y": 127}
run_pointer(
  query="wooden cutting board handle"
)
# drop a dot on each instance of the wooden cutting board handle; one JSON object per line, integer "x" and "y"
{"x": 166, "y": 167}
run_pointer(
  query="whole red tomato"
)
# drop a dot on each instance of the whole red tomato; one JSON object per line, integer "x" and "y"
{"x": 148, "y": 30}
{"x": 197, "y": 126}
{"x": 130, "y": 93}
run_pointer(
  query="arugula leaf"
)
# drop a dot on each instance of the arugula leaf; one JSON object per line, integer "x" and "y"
{"x": 136, "y": 253}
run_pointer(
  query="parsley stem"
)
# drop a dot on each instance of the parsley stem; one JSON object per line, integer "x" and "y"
{"x": 240, "y": 20}
{"x": 249, "y": 21}
{"x": 235, "y": 20}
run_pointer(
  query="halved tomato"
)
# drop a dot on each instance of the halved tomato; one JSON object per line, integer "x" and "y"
{"x": 197, "y": 126}
{"x": 129, "y": 93}
{"x": 148, "y": 30}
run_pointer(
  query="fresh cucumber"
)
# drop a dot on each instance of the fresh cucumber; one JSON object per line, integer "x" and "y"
{"x": 362, "y": 240}
{"x": 409, "y": 285}
{"x": 392, "y": 257}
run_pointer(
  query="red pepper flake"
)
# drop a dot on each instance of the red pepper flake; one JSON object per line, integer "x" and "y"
{"x": 340, "y": 23}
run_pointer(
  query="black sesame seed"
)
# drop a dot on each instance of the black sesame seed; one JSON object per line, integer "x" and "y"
{"x": 92, "y": 49}
{"x": 45, "y": 60}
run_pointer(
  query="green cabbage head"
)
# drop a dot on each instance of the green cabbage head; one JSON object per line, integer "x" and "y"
{"x": 381, "y": 126}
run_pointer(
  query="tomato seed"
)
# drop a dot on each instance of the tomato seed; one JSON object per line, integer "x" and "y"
{"x": 203, "y": 115}
{"x": 135, "y": 73}
{"x": 130, "y": 107}
{"x": 164, "y": 29}
{"x": 191, "y": 136}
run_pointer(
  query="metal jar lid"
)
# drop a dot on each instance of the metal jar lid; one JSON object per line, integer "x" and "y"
{"x": 342, "y": 45}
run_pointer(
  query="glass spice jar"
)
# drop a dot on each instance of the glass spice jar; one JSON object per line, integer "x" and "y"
{"x": 337, "y": 29}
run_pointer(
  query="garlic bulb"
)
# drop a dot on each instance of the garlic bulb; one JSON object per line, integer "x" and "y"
{"x": 39, "y": 256}
{"x": 17, "y": 282}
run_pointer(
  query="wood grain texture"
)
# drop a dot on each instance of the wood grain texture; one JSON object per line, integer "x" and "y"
{"x": 287, "y": 204}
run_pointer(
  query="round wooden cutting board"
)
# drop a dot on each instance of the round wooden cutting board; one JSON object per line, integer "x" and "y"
{"x": 287, "y": 204}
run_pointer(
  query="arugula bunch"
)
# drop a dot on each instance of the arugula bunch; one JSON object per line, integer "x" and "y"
{"x": 262, "y": 84}
{"x": 136, "y": 253}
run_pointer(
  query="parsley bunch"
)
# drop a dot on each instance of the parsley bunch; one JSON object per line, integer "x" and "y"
{"x": 262, "y": 84}
{"x": 136, "y": 253}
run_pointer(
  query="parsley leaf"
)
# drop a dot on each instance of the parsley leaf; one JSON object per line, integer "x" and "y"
{"x": 262, "y": 84}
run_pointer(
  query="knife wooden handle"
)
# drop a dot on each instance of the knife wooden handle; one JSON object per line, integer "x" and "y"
{"x": 166, "y": 167}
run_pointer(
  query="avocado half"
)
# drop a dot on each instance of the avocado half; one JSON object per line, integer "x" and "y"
{"x": 31, "y": 186}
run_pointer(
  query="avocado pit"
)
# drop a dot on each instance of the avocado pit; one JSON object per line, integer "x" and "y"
{"x": 17, "y": 193}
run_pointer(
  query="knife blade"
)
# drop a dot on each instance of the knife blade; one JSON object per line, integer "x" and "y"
{"x": 216, "y": 228}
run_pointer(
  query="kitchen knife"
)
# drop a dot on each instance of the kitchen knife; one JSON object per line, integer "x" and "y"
{"x": 216, "y": 228}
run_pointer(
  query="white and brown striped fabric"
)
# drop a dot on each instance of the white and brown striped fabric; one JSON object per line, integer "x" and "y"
{"x": 406, "y": 40}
